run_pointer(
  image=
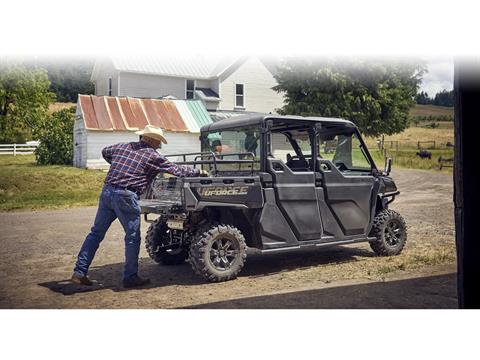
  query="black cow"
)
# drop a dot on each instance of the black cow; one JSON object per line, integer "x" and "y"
{"x": 423, "y": 154}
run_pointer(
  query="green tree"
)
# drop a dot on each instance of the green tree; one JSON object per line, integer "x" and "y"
{"x": 68, "y": 76}
{"x": 24, "y": 101}
{"x": 444, "y": 98}
{"x": 376, "y": 96}
{"x": 422, "y": 98}
{"x": 56, "y": 138}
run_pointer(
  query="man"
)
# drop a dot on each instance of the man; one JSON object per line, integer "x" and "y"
{"x": 217, "y": 147}
{"x": 251, "y": 142}
{"x": 132, "y": 167}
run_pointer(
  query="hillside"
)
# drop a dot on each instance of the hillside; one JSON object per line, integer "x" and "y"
{"x": 433, "y": 110}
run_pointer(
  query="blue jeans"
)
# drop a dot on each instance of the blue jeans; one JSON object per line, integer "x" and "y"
{"x": 114, "y": 203}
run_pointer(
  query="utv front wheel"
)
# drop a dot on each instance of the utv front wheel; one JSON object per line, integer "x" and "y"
{"x": 219, "y": 253}
{"x": 390, "y": 233}
{"x": 156, "y": 235}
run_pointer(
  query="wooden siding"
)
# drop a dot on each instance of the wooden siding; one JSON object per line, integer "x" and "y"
{"x": 258, "y": 83}
{"x": 97, "y": 140}
{"x": 151, "y": 86}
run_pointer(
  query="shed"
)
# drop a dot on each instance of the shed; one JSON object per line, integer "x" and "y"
{"x": 106, "y": 120}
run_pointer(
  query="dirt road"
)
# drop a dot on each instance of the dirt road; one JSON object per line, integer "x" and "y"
{"x": 38, "y": 250}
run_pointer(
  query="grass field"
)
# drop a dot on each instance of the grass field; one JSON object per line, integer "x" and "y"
{"x": 433, "y": 110}
{"x": 407, "y": 147}
{"x": 24, "y": 185}
{"x": 410, "y": 136}
{"x": 60, "y": 106}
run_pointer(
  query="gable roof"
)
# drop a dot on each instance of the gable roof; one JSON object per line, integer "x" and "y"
{"x": 185, "y": 66}
{"x": 195, "y": 67}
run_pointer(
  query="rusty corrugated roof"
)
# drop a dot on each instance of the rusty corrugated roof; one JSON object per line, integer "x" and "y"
{"x": 115, "y": 114}
{"x": 86, "y": 105}
{"x": 101, "y": 113}
{"x": 125, "y": 113}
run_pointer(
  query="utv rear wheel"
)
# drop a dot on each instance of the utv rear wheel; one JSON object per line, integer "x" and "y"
{"x": 156, "y": 234}
{"x": 390, "y": 232}
{"x": 218, "y": 253}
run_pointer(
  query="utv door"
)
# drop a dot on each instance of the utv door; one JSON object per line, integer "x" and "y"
{"x": 350, "y": 189}
{"x": 295, "y": 195}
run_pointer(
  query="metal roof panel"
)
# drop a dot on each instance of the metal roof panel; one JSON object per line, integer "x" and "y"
{"x": 89, "y": 117}
{"x": 140, "y": 119}
{"x": 187, "y": 116}
{"x": 171, "y": 116}
{"x": 101, "y": 113}
{"x": 153, "y": 114}
{"x": 128, "y": 114}
{"x": 115, "y": 113}
{"x": 189, "y": 66}
{"x": 199, "y": 112}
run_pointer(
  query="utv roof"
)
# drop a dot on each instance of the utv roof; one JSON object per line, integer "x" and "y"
{"x": 258, "y": 119}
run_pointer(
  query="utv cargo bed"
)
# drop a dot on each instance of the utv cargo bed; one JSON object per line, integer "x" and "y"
{"x": 162, "y": 195}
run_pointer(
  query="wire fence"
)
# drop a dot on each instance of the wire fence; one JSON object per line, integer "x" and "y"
{"x": 427, "y": 154}
{"x": 419, "y": 145}
{"x": 17, "y": 149}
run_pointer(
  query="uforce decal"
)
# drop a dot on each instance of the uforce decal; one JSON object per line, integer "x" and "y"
{"x": 223, "y": 190}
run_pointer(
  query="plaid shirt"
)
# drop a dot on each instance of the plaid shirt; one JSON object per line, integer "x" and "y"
{"x": 134, "y": 165}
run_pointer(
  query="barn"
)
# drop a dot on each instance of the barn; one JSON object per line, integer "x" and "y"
{"x": 104, "y": 120}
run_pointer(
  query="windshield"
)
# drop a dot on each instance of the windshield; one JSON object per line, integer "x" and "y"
{"x": 234, "y": 144}
{"x": 345, "y": 151}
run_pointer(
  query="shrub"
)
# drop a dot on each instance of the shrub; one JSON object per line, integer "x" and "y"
{"x": 56, "y": 138}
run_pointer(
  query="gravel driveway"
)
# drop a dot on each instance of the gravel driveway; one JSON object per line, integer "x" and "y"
{"x": 38, "y": 250}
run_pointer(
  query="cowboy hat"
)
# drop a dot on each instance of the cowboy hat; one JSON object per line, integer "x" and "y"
{"x": 153, "y": 132}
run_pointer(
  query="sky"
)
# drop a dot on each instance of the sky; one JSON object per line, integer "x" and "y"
{"x": 439, "y": 76}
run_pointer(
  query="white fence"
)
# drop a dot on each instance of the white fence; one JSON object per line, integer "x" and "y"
{"x": 17, "y": 149}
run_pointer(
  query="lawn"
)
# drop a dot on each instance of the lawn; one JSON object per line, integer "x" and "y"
{"x": 27, "y": 186}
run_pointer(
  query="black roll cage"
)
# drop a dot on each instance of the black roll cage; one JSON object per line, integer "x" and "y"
{"x": 266, "y": 127}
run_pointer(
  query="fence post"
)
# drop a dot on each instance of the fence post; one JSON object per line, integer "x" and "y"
{"x": 14, "y": 149}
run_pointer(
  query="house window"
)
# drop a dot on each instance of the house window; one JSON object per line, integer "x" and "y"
{"x": 239, "y": 95}
{"x": 110, "y": 86}
{"x": 190, "y": 93}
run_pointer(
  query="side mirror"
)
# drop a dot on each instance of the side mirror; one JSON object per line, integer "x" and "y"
{"x": 388, "y": 166}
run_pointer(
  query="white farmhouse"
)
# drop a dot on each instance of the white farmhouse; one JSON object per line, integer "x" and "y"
{"x": 228, "y": 84}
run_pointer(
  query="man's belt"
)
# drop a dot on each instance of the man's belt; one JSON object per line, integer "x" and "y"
{"x": 129, "y": 188}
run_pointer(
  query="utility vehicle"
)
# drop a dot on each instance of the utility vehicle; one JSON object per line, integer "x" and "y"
{"x": 277, "y": 183}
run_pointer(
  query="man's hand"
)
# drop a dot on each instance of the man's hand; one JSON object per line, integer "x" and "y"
{"x": 204, "y": 173}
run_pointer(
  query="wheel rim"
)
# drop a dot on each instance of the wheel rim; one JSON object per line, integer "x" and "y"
{"x": 394, "y": 233}
{"x": 223, "y": 253}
